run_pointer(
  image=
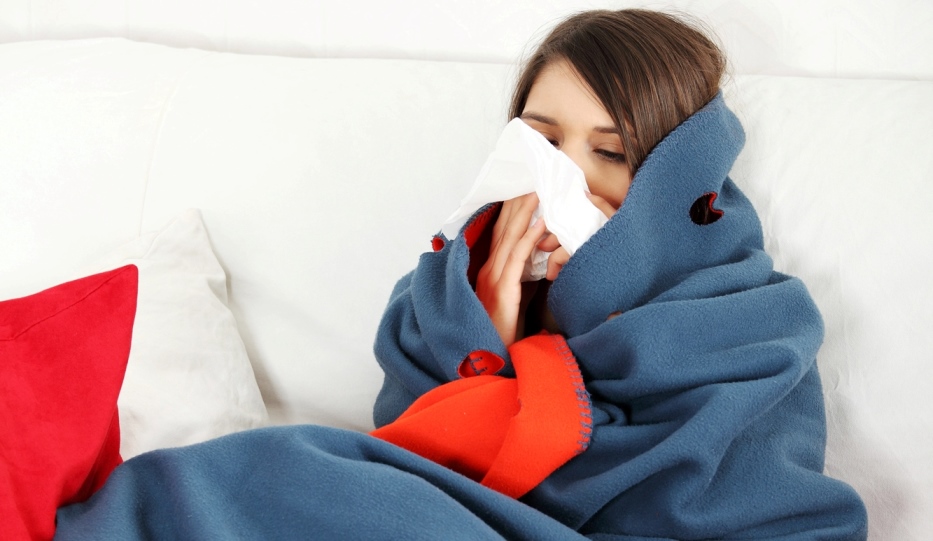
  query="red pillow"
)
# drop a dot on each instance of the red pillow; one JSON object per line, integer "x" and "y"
{"x": 63, "y": 353}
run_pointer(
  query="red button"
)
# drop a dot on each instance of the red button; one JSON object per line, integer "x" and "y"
{"x": 480, "y": 362}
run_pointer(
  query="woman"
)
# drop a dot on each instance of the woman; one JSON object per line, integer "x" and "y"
{"x": 599, "y": 79}
{"x": 706, "y": 413}
{"x": 661, "y": 385}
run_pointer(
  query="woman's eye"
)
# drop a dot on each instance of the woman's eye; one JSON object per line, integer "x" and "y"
{"x": 611, "y": 156}
{"x": 554, "y": 143}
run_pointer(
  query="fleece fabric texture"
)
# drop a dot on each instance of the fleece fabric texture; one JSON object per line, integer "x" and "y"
{"x": 490, "y": 428}
{"x": 707, "y": 404}
{"x": 298, "y": 482}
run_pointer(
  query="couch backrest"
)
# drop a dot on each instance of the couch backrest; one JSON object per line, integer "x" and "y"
{"x": 825, "y": 38}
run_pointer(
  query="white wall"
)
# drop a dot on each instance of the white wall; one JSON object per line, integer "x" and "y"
{"x": 835, "y": 38}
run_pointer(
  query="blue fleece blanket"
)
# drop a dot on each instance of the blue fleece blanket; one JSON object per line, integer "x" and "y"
{"x": 707, "y": 406}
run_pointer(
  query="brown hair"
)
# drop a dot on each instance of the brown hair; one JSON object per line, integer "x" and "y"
{"x": 650, "y": 70}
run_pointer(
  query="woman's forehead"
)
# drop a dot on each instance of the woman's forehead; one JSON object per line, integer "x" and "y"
{"x": 560, "y": 93}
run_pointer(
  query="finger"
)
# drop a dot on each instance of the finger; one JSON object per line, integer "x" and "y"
{"x": 556, "y": 261}
{"x": 549, "y": 244}
{"x": 526, "y": 205}
{"x": 495, "y": 260}
{"x": 515, "y": 263}
{"x": 501, "y": 221}
{"x": 515, "y": 217}
{"x": 513, "y": 230}
{"x": 502, "y": 296}
{"x": 604, "y": 206}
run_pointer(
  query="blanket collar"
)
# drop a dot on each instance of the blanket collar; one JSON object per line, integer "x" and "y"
{"x": 651, "y": 243}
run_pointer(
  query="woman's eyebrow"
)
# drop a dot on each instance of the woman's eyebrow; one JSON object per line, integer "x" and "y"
{"x": 551, "y": 122}
{"x": 539, "y": 117}
{"x": 607, "y": 129}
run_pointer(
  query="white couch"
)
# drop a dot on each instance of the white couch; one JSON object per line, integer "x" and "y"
{"x": 320, "y": 180}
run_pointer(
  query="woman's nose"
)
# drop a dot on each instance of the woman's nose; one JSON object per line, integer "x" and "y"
{"x": 578, "y": 156}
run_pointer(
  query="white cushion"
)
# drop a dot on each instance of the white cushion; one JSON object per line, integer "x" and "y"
{"x": 188, "y": 378}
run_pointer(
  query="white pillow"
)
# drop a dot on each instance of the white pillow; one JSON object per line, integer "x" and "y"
{"x": 188, "y": 378}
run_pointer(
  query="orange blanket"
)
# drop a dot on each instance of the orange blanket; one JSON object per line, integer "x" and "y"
{"x": 508, "y": 434}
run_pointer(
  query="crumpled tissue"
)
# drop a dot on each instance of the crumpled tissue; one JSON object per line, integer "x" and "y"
{"x": 524, "y": 161}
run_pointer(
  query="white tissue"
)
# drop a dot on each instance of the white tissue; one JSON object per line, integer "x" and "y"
{"x": 524, "y": 162}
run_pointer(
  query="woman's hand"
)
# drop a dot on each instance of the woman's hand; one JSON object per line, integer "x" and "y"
{"x": 498, "y": 284}
{"x": 559, "y": 255}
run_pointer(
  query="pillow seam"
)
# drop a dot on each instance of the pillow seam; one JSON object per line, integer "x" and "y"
{"x": 65, "y": 308}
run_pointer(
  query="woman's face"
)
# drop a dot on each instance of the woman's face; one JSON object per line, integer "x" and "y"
{"x": 564, "y": 109}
